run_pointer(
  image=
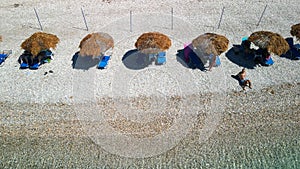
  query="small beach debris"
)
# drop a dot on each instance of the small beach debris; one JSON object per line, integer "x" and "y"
{"x": 16, "y": 5}
{"x": 50, "y": 71}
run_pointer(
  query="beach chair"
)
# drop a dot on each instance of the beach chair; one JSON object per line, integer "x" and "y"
{"x": 103, "y": 62}
{"x": 4, "y": 55}
{"x": 161, "y": 58}
{"x": 24, "y": 65}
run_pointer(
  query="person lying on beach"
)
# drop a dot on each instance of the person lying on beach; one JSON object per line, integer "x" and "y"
{"x": 27, "y": 60}
{"x": 263, "y": 57}
{"x": 243, "y": 81}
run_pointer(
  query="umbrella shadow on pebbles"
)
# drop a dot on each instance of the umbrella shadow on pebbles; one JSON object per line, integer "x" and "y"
{"x": 136, "y": 60}
{"x": 83, "y": 63}
{"x": 189, "y": 59}
{"x": 239, "y": 58}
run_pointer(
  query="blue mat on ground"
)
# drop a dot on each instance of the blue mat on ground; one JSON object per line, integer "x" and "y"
{"x": 104, "y": 62}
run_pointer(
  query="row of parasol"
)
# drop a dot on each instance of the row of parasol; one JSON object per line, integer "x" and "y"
{"x": 96, "y": 44}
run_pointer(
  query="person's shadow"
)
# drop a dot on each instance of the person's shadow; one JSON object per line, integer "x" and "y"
{"x": 237, "y": 56}
{"x": 189, "y": 59}
{"x": 136, "y": 60}
{"x": 83, "y": 62}
{"x": 293, "y": 53}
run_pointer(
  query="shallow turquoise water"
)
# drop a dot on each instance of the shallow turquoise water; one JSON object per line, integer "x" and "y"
{"x": 222, "y": 153}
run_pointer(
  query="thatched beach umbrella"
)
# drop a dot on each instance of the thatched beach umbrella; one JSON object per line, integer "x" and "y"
{"x": 95, "y": 44}
{"x": 295, "y": 31}
{"x": 211, "y": 43}
{"x": 40, "y": 41}
{"x": 273, "y": 42}
{"x": 153, "y": 42}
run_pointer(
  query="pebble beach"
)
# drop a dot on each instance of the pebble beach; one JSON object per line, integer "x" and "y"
{"x": 159, "y": 116}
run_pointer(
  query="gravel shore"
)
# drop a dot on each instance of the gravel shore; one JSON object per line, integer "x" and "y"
{"x": 167, "y": 116}
{"x": 257, "y": 129}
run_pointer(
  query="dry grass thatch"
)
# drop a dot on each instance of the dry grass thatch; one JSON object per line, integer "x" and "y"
{"x": 95, "y": 44}
{"x": 211, "y": 43}
{"x": 273, "y": 42}
{"x": 295, "y": 31}
{"x": 153, "y": 42}
{"x": 40, "y": 41}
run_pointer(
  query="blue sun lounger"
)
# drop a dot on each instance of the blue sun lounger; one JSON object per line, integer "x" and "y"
{"x": 2, "y": 58}
{"x": 104, "y": 62}
{"x": 24, "y": 66}
{"x": 34, "y": 66}
{"x": 161, "y": 58}
{"x": 4, "y": 55}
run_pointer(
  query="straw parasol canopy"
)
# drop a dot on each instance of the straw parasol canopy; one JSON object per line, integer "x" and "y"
{"x": 153, "y": 42}
{"x": 95, "y": 44}
{"x": 273, "y": 42}
{"x": 40, "y": 41}
{"x": 211, "y": 43}
{"x": 295, "y": 31}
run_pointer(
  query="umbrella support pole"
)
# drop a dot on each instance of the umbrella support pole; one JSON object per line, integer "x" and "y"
{"x": 130, "y": 21}
{"x": 262, "y": 14}
{"x": 38, "y": 18}
{"x": 221, "y": 17}
{"x": 172, "y": 13}
{"x": 87, "y": 29}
